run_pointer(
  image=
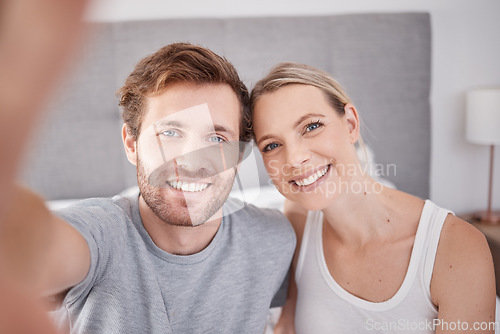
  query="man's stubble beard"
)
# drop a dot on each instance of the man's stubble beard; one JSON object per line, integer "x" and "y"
{"x": 179, "y": 213}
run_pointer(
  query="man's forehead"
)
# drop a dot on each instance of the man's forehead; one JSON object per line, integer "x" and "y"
{"x": 184, "y": 95}
{"x": 199, "y": 114}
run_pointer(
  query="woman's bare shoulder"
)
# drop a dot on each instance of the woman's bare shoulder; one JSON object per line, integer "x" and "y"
{"x": 463, "y": 256}
{"x": 460, "y": 240}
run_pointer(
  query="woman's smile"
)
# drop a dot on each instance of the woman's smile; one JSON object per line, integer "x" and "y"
{"x": 304, "y": 182}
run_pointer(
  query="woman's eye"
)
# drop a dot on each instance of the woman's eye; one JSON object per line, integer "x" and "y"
{"x": 313, "y": 126}
{"x": 270, "y": 147}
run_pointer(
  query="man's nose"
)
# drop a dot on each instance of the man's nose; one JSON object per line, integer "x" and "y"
{"x": 193, "y": 155}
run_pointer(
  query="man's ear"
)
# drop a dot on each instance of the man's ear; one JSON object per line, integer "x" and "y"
{"x": 352, "y": 119}
{"x": 130, "y": 145}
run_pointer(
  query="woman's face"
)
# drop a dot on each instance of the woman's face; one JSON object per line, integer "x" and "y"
{"x": 307, "y": 147}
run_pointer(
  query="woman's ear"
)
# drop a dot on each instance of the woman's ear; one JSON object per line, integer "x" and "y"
{"x": 352, "y": 119}
{"x": 130, "y": 145}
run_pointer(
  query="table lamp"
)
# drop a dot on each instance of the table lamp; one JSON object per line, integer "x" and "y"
{"x": 483, "y": 127}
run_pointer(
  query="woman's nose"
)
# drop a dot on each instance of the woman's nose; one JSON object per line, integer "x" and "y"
{"x": 297, "y": 154}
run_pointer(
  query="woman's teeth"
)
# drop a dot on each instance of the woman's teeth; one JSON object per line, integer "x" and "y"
{"x": 185, "y": 186}
{"x": 313, "y": 178}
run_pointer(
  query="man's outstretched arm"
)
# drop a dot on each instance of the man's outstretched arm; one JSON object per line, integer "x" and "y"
{"x": 36, "y": 40}
{"x": 42, "y": 253}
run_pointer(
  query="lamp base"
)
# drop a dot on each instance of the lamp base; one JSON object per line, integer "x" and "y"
{"x": 487, "y": 218}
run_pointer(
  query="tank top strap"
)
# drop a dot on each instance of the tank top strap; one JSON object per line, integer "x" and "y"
{"x": 437, "y": 217}
{"x": 311, "y": 225}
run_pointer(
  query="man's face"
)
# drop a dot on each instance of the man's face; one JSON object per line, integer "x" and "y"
{"x": 187, "y": 152}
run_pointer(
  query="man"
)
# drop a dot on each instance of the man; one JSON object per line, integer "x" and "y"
{"x": 171, "y": 259}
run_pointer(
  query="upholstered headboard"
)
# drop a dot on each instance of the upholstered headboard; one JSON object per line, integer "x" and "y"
{"x": 383, "y": 60}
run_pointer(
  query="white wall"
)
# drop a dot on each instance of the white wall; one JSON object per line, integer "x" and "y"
{"x": 466, "y": 54}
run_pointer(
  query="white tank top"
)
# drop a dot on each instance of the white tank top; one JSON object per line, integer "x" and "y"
{"x": 323, "y": 306}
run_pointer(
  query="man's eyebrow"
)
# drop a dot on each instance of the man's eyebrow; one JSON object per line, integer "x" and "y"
{"x": 221, "y": 128}
{"x": 169, "y": 122}
{"x": 181, "y": 125}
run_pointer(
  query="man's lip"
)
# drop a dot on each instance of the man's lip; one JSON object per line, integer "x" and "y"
{"x": 191, "y": 187}
{"x": 190, "y": 180}
{"x": 305, "y": 175}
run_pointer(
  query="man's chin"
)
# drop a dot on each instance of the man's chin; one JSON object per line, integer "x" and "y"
{"x": 181, "y": 212}
{"x": 195, "y": 210}
{"x": 191, "y": 220}
{"x": 186, "y": 208}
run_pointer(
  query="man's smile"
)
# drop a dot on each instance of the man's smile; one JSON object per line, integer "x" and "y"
{"x": 188, "y": 186}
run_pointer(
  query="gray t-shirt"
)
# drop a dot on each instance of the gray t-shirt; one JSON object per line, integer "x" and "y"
{"x": 135, "y": 287}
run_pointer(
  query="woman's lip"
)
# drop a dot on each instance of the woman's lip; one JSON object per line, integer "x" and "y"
{"x": 313, "y": 185}
{"x": 308, "y": 173}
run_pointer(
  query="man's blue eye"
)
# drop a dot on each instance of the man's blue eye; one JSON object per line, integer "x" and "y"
{"x": 169, "y": 133}
{"x": 270, "y": 147}
{"x": 216, "y": 139}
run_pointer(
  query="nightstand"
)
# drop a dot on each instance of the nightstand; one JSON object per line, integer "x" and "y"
{"x": 492, "y": 234}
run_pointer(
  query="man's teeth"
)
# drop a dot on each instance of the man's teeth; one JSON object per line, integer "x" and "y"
{"x": 313, "y": 178}
{"x": 185, "y": 186}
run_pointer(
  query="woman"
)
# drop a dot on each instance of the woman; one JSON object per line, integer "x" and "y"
{"x": 369, "y": 258}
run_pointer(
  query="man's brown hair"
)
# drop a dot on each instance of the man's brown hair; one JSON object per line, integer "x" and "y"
{"x": 179, "y": 62}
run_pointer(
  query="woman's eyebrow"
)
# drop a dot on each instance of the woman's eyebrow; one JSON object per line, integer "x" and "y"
{"x": 300, "y": 120}
{"x": 303, "y": 118}
{"x": 264, "y": 138}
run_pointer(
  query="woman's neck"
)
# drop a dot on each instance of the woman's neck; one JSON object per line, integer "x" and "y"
{"x": 356, "y": 218}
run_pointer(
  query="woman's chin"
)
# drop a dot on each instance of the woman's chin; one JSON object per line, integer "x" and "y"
{"x": 309, "y": 201}
{"x": 313, "y": 205}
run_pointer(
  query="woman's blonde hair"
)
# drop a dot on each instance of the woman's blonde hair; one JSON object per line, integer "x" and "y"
{"x": 288, "y": 73}
{"x": 294, "y": 73}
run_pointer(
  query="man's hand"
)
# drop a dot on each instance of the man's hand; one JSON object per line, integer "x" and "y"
{"x": 37, "y": 38}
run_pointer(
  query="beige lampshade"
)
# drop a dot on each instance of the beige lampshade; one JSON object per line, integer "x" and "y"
{"x": 483, "y": 116}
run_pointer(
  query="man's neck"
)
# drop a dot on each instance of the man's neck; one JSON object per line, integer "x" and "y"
{"x": 178, "y": 240}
